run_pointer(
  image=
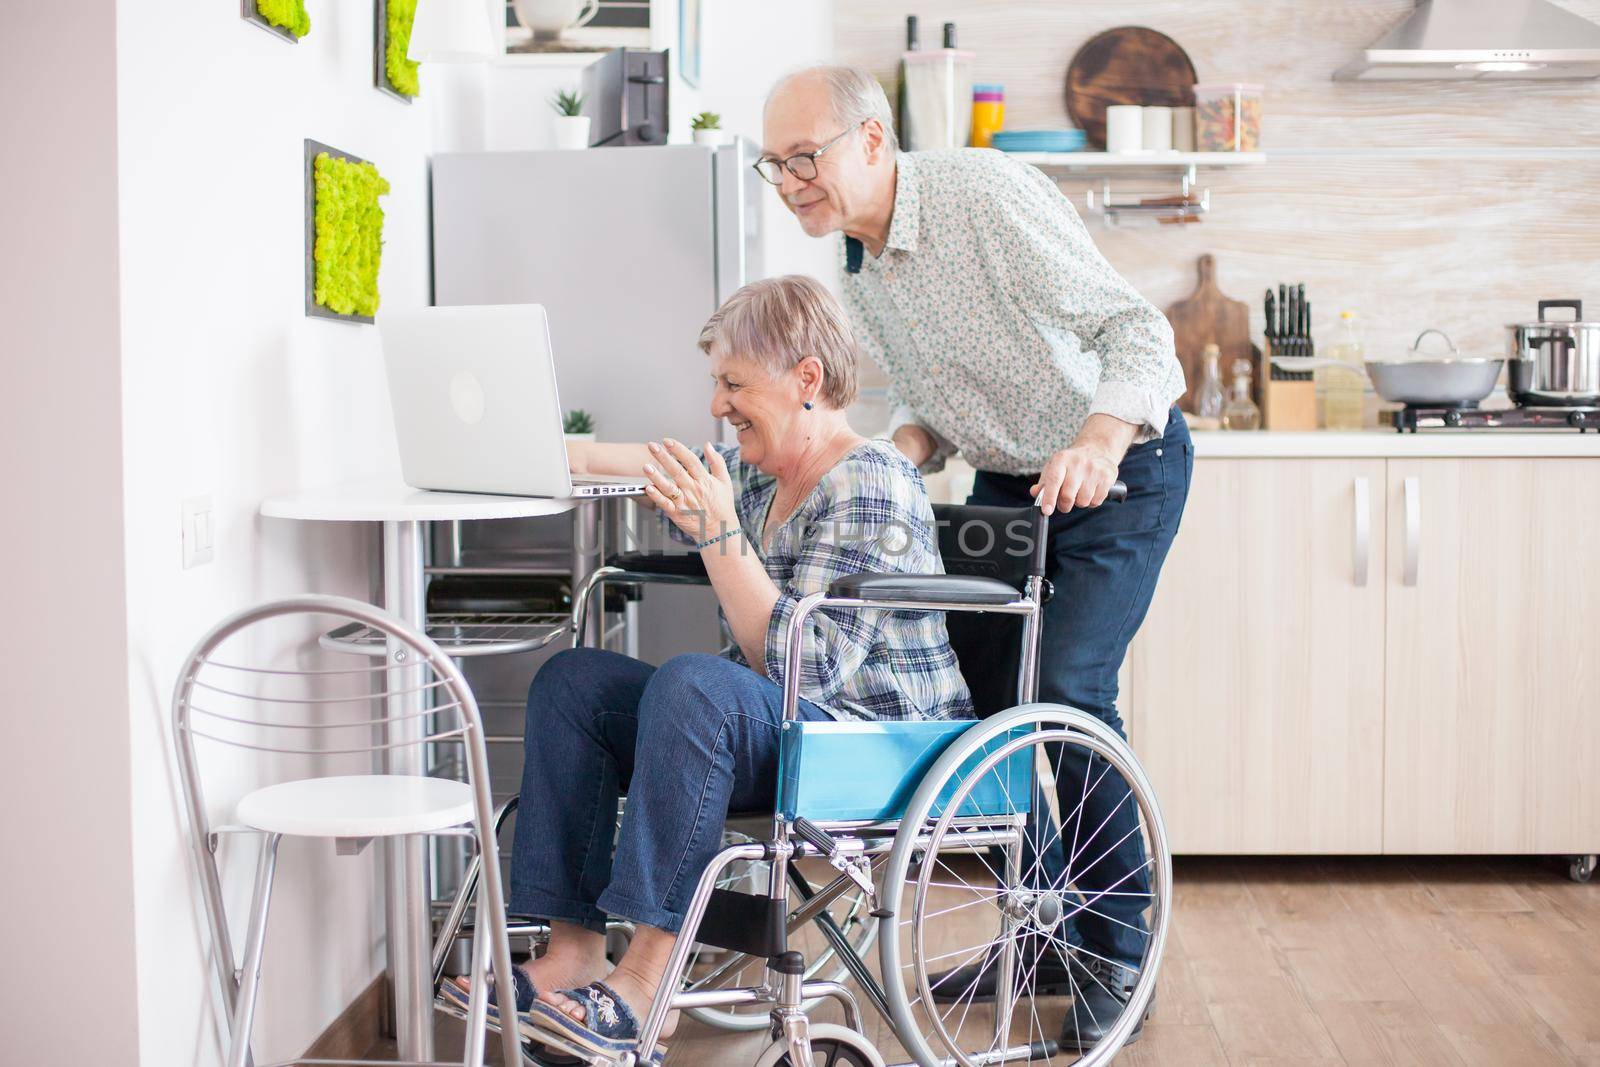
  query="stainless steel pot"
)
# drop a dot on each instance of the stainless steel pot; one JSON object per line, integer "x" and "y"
{"x": 1554, "y": 363}
{"x": 1425, "y": 380}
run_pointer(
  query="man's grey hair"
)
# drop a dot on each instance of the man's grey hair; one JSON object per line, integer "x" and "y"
{"x": 854, "y": 94}
{"x": 777, "y": 322}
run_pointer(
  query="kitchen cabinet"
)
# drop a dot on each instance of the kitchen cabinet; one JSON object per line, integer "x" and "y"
{"x": 1493, "y": 656}
{"x": 1255, "y": 688}
{"x": 1445, "y": 704}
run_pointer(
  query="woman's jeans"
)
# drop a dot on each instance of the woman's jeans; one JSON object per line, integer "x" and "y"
{"x": 1104, "y": 563}
{"x": 687, "y": 742}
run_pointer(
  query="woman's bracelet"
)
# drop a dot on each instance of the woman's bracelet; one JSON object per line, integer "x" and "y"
{"x": 708, "y": 542}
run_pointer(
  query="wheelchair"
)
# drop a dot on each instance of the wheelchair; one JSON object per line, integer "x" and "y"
{"x": 929, "y": 837}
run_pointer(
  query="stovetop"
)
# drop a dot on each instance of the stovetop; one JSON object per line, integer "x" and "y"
{"x": 1412, "y": 419}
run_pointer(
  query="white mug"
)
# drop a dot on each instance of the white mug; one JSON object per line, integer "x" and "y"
{"x": 1157, "y": 128}
{"x": 1124, "y": 128}
{"x": 548, "y": 19}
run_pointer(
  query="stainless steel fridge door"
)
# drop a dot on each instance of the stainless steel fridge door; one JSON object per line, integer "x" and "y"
{"x": 739, "y": 220}
{"x": 619, "y": 245}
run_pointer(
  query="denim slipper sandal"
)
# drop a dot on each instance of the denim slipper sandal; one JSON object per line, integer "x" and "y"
{"x": 609, "y": 1025}
{"x": 456, "y": 999}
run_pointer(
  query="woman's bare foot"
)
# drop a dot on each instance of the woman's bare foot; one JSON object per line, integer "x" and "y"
{"x": 636, "y": 990}
{"x": 574, "y": 957}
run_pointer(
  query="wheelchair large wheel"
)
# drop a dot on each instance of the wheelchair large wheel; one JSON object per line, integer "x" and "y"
{"x": 713, "y": 968}
{"x": 982, "y": 906}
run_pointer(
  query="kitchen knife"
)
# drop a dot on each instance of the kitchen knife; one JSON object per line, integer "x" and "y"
{"x": 1272, "y": 331}
{"x": 1291, "y": 346}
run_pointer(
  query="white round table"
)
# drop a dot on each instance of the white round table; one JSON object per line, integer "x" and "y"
{"x": 402, "y": 510}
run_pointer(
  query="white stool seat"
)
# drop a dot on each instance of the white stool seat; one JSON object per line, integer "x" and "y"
{"x": 358, "y": 805}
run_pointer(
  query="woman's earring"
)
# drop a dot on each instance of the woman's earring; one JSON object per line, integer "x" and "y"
{"x": 807, "y": 405}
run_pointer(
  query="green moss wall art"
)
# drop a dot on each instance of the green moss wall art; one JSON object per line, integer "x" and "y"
{"x": 393, "y": 72}
{"x": 287, "y": 19}
{"x": 344, "y": 234}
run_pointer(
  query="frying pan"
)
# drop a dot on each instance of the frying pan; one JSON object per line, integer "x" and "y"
{"x": 1425, "y": 381}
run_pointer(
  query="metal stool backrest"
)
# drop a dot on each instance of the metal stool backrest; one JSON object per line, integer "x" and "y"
{"x": 328, "y": 712}
{"x": 334, "y": 709}
{"x": 1004, "y": 543}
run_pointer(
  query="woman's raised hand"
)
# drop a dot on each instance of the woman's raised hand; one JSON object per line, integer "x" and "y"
{"x": 697, "y": 497}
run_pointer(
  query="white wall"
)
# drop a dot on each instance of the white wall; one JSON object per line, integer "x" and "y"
{"x": 229, "y": 389}
{"x": 746, "y": 45}
{"x": 154, "y": 309}
{"x": 67, "y": 992}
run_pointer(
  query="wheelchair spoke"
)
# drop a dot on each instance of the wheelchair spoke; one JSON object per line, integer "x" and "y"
{"x": 954, "y": 907}
{"x": 1109, "y": 816}
{"x": 1076, "y": 817}
{"x": 1114, "y": 846}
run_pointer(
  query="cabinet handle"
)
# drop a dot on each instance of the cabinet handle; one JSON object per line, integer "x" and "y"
{"x": 1413, "y": 502}
{"x": 1363, "y": 537}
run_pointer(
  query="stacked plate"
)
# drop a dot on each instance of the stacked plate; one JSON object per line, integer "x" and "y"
{"x": 1039, "y": 140}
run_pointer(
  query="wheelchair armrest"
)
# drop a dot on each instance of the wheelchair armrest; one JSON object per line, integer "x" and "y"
{"x": 966, "y": 590}
{"x": 681, "y": 565}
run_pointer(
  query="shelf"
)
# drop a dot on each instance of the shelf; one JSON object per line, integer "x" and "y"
{"x": 462, "y": 634}
{"x": 1138, "y": 161}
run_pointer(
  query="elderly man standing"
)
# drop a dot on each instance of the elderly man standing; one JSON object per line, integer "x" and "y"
{"x": 1008, "y": 338}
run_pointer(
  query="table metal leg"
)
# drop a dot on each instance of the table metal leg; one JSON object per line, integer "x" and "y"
{"x": 406, "y": 894}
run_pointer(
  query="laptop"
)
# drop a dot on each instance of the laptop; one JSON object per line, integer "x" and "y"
{"x": 475, "y": 407}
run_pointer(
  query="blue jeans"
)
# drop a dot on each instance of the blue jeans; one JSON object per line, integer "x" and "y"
{"x": 687, "y": 742}
{"x": 1104, "y": 563}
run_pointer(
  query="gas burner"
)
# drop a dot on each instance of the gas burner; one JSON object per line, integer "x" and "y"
{"x": 1411, "y": 419}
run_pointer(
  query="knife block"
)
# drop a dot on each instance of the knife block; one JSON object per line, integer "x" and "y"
{"x": 1290, "y": 402}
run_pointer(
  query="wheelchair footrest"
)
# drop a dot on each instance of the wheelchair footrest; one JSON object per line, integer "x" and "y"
{"x": 744, "y": 922}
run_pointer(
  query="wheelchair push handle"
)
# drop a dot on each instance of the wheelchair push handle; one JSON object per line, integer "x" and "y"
{"x": 1115, "y": 495}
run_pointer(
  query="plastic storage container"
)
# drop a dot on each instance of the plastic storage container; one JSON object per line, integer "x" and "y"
{"x": 1227, "y": 118}
{"x": 938, "y": 98}
{"x": 988, "y": 113}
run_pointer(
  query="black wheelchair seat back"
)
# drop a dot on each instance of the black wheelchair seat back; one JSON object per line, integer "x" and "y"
{"x": 1007, "y": 544}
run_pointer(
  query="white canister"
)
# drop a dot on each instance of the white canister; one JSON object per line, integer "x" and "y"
{"x": 1183, "y": 129}
{"x": 1157, "y": 126}
{"x": 572, "y": 131}
{"x": 1124, "y": 128}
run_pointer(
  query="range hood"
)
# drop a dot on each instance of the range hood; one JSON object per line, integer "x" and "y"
{"x": 1482, "y": 40}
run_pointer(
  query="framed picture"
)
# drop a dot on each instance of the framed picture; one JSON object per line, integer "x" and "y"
{"x": 690, "y": 13}
{"x": 544, "y": 27}
{"x": 284, "y": 19}
{"x": 392, "y": 71}
{"x": 344, "y": 234}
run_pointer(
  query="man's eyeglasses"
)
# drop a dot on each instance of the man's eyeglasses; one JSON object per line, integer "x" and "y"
{"x": 802, "y": 165}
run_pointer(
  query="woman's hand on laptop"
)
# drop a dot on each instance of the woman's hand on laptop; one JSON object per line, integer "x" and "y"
{"x": 697, "y": 497}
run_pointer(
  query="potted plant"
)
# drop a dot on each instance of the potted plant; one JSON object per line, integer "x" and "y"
{"x": 707, "y": 128}
{"x": 578, "y": 425}
{"x": 572, "y": 125}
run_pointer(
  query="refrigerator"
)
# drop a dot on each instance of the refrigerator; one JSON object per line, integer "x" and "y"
{"x": 630, "y": 250}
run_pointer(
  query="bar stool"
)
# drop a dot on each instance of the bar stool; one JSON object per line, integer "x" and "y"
{"x": 223, "y": 700}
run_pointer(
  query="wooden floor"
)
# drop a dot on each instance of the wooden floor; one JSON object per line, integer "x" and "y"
{"x": 1358, "y": 961}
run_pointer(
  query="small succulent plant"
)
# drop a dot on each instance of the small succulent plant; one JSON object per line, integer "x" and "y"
{"x": 567, "y": 102}
{"x": 578, "y": 421}
{"x": 706, "y": 120}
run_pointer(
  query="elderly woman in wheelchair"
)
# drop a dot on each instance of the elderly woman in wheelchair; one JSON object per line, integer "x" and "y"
{"x": 825, "y": 557}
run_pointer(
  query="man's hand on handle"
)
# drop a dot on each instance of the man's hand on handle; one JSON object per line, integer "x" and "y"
{"x": 1081, "y": 474}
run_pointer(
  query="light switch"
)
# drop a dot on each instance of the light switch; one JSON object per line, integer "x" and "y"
{"x": 198, "y": 545}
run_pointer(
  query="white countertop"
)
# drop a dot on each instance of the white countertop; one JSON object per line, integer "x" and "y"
{"x": 1267, "y": 444}
{"x": 386, "y": 500}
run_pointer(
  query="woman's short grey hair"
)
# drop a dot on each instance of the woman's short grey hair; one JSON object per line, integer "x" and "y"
{"x": 777, "y": 322}
{"x": 855, "y": 95}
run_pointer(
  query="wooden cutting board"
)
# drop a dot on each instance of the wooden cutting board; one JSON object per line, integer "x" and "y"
{"x": 1127, "y": 65}
{"x": 1209, "y": 317}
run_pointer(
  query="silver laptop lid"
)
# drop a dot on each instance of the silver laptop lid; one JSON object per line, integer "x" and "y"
{"x": 473, "y": 390}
